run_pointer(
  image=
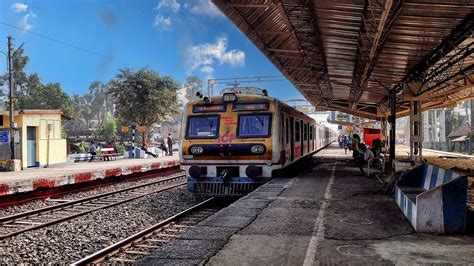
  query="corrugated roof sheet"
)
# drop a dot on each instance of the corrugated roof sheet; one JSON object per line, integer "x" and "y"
{"x": 346, "y": 55}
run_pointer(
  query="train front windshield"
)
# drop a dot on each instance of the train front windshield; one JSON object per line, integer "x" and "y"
{"x": 251, "y": 126}
{"x": 201, "y": 127}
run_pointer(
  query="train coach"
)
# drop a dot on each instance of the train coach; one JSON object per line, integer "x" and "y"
{"x": 233, "y": 143}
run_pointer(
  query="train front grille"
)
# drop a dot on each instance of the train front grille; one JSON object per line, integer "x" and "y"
{"x": 227, "y": 189}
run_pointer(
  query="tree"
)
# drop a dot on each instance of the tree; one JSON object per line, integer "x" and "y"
{"x": 39, "y": 96}
{"x": 143, "y": 97}
{"x": 31, "y": 93}
{"x": 192, "y": 85}
{"x": 107, "y": 130}
{"x": 101, "y": 104}
{"x": 77, "y": 108}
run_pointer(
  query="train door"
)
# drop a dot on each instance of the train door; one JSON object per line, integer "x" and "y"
{"x": 302, "y": 141}
{"x": 292, "y": 138}
{"x": 308, "y": 136}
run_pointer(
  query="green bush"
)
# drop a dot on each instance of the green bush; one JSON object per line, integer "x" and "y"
{"x": 121, "y": 148}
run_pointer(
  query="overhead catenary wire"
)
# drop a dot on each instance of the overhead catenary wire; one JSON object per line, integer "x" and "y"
{"x": 61, "y": 42}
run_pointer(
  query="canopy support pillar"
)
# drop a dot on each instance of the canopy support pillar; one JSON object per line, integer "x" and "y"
{"x": 416, "y": 131}
{"x": 392, "y": 121}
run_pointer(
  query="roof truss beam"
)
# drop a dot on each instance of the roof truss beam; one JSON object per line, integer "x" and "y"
{"x": 373, "y": 33}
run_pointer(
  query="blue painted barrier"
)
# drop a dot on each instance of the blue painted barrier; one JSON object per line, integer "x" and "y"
{"x": 433, "y": 199}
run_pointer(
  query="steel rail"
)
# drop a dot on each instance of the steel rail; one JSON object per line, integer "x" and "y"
{"x": 93, "y": 201}
{"x": 120, "y": 246}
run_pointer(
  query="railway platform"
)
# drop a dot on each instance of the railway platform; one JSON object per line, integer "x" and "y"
{"x": 329, "y": 214}
{"x": 74, "y": 173}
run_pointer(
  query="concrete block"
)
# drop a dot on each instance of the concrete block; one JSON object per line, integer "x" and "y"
{"x": 13, "y": 165}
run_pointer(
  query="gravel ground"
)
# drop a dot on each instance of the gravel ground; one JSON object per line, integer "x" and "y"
{"x": 36, "y": 204}
{"x": 70, "y": 241}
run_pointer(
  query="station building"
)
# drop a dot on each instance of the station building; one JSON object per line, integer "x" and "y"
{"x": 39, "y": 141}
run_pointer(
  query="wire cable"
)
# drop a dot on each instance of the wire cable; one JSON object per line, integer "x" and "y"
{"x": 60, "y": 42}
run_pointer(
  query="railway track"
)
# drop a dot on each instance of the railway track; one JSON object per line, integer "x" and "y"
{"x": 135, "y": 247}
{"x": 39, "y": 218}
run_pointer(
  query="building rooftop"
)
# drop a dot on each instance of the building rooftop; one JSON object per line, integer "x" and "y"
{"x": 460, "y": 131}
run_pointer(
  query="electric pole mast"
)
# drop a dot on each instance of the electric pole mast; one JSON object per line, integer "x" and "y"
{"x": 11, "y": 86}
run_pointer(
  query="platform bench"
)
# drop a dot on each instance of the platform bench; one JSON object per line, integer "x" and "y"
{"x": 433, "y": 199}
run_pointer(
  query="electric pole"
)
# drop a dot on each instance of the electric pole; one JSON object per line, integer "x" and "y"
{"x": 11, "y": 86}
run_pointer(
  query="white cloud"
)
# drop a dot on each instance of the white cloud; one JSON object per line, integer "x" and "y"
{"x": 19, "y": 7}
{"x": 25, "y": 22}
{"x": 204, "y": 56}
{"x": 205, "y": 7}
{"x": 207, "y": 70}
{"x": 172, "y": 5}
{"x": 162, "y": 23}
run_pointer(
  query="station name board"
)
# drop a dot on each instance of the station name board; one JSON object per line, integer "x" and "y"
{"x": 263, "y": 106}
{"x": 203, "y": 108}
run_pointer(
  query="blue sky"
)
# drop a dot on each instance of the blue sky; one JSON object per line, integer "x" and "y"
{"x": 173, "y": 37}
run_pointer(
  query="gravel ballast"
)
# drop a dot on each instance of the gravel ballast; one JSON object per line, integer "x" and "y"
{"x": 37, "y": 204}
{"x": 72, "y": 240}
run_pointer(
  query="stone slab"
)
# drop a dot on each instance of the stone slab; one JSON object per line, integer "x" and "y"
{"x": 264, "y": 250}
{"x": 209, "y": 232}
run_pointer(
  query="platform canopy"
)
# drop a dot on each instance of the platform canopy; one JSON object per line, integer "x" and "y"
{"x": 349, "y": 55}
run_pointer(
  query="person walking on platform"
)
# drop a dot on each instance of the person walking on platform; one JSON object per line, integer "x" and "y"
{"x": 170, "y": 145}
{"x": 364, "y": 156}
{"x": 355, "y": 146}
{"x": 345, "y": 143}
{"x": 92, "y": 151}
{"x": 164, "y": 150}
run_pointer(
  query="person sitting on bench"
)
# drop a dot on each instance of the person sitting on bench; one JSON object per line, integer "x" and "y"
{"x": 145, "y": 148}
{"x": 92, "y": 151}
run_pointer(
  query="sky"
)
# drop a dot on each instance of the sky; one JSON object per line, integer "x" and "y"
{"x": 76, "y": 42}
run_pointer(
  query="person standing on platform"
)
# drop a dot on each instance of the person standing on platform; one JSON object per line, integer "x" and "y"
{"x": 170, "y": 145}
{"x": 92, "y": 151}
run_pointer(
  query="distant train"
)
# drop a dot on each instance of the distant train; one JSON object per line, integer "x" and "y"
{"x": 371, "y": 134}
{"x": 231, "y": 144}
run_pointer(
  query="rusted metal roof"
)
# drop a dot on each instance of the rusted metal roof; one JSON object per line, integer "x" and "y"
{"x": 347, "y": 55}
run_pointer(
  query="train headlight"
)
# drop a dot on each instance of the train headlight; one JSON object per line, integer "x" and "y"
{"x": 229, "y": 97}
{"x": 196, "y": 150}
{"x": 257, "y": 149}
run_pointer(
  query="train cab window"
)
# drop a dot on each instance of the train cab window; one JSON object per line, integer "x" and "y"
{"x": 305, "y": 132}
{"x": 203, "y": 127}
{"x": 297, "y": 131}
{"x": 287, "y": 132}
{"x": 254, "y": 125}
{"x": 1, "y": 120}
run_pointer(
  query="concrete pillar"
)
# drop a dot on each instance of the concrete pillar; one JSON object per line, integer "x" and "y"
{"x": 393, "y": 119}
{"x": 384, "y": 132}
{"x": 416, "y": 131}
